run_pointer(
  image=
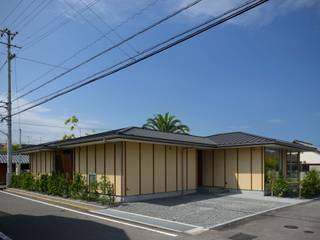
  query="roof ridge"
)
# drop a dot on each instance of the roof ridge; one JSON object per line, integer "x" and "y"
{"x": 184, "y": 134}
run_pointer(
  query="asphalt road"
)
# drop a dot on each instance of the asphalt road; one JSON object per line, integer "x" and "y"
{"x": 24, "y": 219}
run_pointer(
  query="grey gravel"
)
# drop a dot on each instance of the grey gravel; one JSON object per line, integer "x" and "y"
{"x": 203, "y": 210}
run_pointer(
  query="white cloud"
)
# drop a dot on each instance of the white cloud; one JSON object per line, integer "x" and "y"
{"x": 261, "y": 15}
{"x": 41, "y": 125}
{"x": 275, "y": 121}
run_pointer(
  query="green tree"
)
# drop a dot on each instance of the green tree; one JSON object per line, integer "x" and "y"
{"x": 73, "y": 123}
{"x": 166, "y": 123}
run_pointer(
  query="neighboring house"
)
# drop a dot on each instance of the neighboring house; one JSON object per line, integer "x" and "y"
{"x": 309, "y": 160}
{"x": 22, "y": 159}
{"x": 143, "y": 163}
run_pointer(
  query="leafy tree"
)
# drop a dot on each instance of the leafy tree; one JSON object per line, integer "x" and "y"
{"x": 73, "y": 123}
{"x": 166, "y": 123}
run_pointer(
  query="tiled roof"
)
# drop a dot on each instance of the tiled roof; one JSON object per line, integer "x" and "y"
{"x": 243, "y": 139}
{"x": 141, "y": 134}
{"x": 23, "y": 159}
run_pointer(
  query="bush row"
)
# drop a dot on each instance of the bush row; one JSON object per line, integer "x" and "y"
{"x": 58, "y": 185}
{"x": 310, "y": 186}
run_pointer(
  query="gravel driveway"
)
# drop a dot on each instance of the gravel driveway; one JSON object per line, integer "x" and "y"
{"x": 205, "y": 210}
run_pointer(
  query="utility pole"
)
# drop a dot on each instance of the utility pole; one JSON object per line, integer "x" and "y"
{"x": 10, "y": 36}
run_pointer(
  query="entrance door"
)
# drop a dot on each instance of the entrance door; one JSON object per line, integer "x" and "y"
{"x": 64, "y": 163}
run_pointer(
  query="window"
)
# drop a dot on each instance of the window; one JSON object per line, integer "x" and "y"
{"x": 293, "y": 165}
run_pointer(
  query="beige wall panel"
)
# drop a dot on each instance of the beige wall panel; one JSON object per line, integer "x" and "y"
{"x": 159, "y": 168}
{"x": 146, "y": 168}
{"x": 231, "y": 168}
{"x": 119, "y": 184}
{"x": 100, "y": 161}
{"x": 83, "y": 157}
{"x": 76, "y": 159}
{"x": 219, "y": 168}
{"x": 110, "y": 161}
{"x": 192, "y": 169}
{"x": 256, "y": 169}
{"x": 179, "y": 150}
{"x": 184, "y": 169}
{"x": 171, "y": 168}
{"x": 39, "y": 162}
{"x": 47, "y": 165}
{"x": 207, "y": 168}
{"x": 132, "y": 168}
{"x": 244, "y": 169}
{"x": 91, "y": 159}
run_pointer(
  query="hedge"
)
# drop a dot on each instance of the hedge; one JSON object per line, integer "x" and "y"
{"x": 58, "y": 185}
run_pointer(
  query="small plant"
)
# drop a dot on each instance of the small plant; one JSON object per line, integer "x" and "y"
{"x": 107, "y": 192}
{"x": 311, "y": 184}
{"x": 44, "y": 183}
{"x": 78, "y": 187}
{"x": 280, "y": 187}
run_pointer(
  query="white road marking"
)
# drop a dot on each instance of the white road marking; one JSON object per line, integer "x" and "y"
{"x": 4, "y": 237}
{"x": 93, "y": 216}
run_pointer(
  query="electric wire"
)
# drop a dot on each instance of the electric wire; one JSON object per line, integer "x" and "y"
{"x": 127, "y": 20}
{"x": 112, "y": 47}
{"x": 198, "y": 30}
{"x": 11, "y": 12}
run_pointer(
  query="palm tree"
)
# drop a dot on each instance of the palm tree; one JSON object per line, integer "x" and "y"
{"x": 166, "y": 123}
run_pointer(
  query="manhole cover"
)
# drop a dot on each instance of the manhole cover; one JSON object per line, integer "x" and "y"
{"x": 242, "y": 236}
{"x": 290, "y": 226}
{"x": 308, "y": 231}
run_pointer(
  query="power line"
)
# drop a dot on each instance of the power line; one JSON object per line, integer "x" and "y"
{"x": 41, "y": 62}
{"x": 112, "y": 47}
{"x": 194, "y": 32}
{"x": 12, "y": 11}
{"x": 3, "y": 64}
{"x": 95, "y": 27}
{"x": 36, "y": 13}
{"x": 56, "y": 126}
{"x": 22, "y": 12}
{"x": 108, "y": 25}
{"x": 44, "y": 35}
{"x": 89, "y": 45}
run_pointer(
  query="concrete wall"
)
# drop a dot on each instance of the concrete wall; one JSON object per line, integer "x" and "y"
{"x": 156, "y": 168}
{"x": 236, "y": 168}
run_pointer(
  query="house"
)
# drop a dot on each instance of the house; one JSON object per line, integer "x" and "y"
{"x": 144, "y": 164}
{"x": 19, "y": 161}
{"x": 310, "y": 160}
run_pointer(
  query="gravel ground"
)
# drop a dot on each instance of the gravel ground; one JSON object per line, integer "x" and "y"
{"x": 203, "y": 210}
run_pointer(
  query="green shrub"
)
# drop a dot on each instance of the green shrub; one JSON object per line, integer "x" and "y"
{"x": 44, "y": 183}
{"x": 78, "y": 188}
{"x": 93, "y": 194}
{"x": 311, "y": 184}
{"x": 280, "y": 187}
{"x": 107, "y": 192}
{"x": 58, "y": 185}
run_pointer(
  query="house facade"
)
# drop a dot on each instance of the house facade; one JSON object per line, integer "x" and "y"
{"x": 143, "y": 163}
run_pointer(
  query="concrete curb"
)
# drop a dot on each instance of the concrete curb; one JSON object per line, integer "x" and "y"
{"x": 58, "y": 200}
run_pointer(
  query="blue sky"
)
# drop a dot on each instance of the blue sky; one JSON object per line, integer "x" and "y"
{"x": 258, "y": 73}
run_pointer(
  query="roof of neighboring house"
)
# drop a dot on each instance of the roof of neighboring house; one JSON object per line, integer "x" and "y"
{"x": 234, "y": 139}
{"x": 307, "y": 144}
{"x": 16, "y": 158}
{"x": 140, "y": 134}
